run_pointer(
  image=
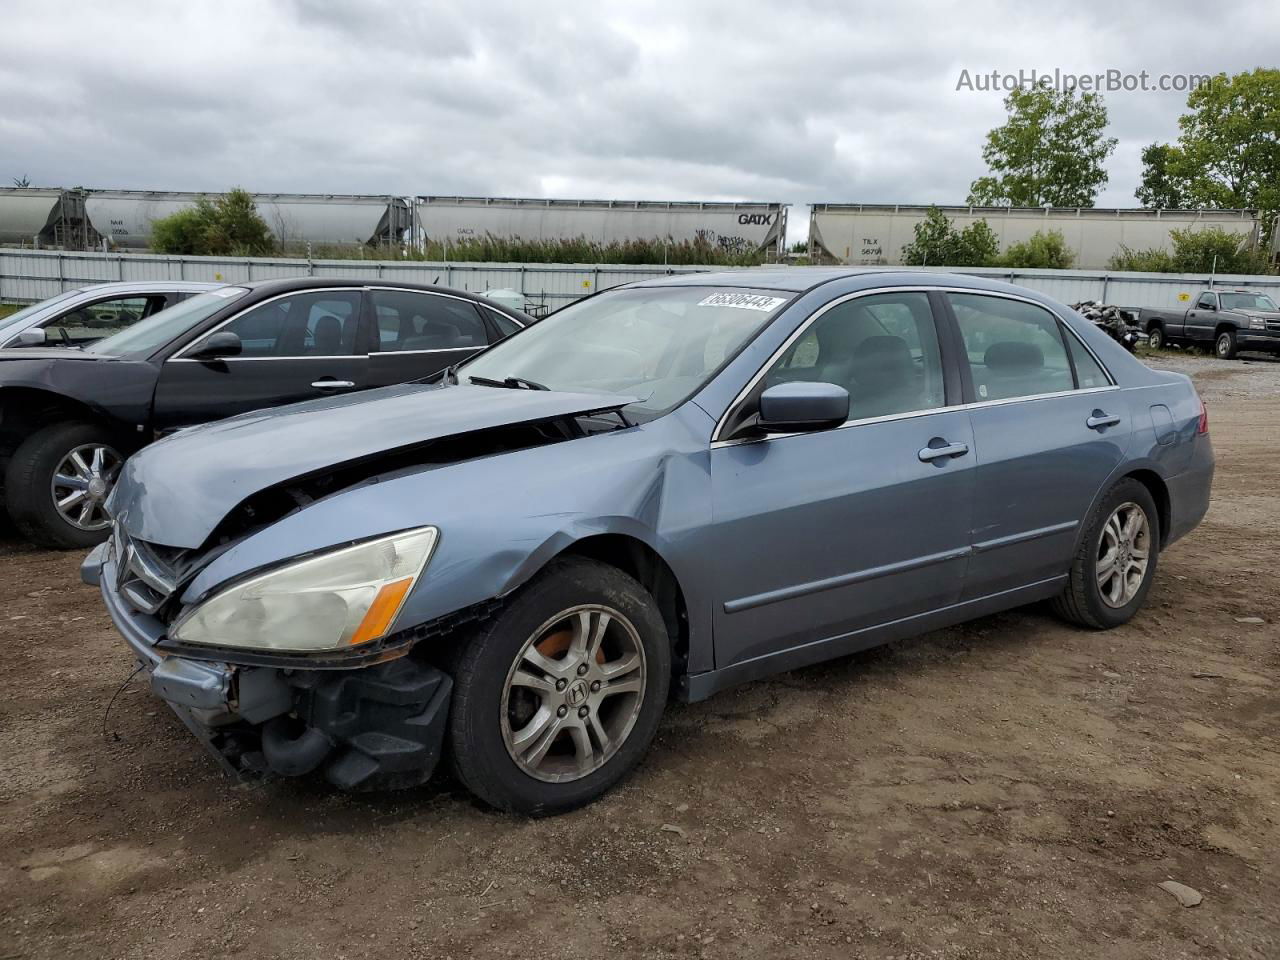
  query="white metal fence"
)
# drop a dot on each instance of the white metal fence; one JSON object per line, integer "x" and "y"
{"x": 30, "y": 275}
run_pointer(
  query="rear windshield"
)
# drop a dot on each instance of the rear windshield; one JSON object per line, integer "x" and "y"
{"x": 147, "y": 336}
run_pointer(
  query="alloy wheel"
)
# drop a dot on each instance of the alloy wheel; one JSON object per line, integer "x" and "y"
{"x": 1124, "y": 551}
{"x": 573, "y": 694}
{"x": 81, "y": 483}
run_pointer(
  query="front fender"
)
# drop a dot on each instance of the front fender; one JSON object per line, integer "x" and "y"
{"x": 502, "y": 518}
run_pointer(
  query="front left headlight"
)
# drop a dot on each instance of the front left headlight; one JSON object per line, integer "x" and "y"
{"x": 329, "y": 602}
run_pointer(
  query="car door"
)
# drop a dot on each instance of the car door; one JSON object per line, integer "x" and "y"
{"x": 295, "y": 346}
{"x": 1202, "y": 319}
{"x": 826, "y": 534}
{"x": 96, "y": 319}
{"x": 419, "y": 333}
{"x": 1049, "y": 427}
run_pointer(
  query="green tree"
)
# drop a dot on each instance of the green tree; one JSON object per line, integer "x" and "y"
{"x": 227, "y": 225}
{"x": 1228, "y": 150}
{"x": 938, "y": 243}
{"x": 1161, "y": 188}
{"x": 1045, "y": 250}
{"x": 1050, "y": 152}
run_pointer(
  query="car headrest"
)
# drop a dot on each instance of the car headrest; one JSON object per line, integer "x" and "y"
{"x": 884, "y": 355}
{"x": 1013, "y": 356}
{"x": 328, "y": 334}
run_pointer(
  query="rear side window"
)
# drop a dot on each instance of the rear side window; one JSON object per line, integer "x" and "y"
{"x": 506, "y": 326}
{"x": 409, "y": 321}
{"x": 1089, "y": 372}
{"x": 883, "y": 349}
{"x": 1014, "y": 349}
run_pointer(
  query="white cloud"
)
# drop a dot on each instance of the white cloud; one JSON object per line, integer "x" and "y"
{"x": 794, "y": 102}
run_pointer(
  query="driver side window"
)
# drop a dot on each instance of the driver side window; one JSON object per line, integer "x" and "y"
{"x": 883, "y": 349}
{"x": 1207, "y": 301}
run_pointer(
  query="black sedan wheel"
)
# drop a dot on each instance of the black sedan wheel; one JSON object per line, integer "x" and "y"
{"x": 58, "y": 482}
{"x": 558, "y": 697}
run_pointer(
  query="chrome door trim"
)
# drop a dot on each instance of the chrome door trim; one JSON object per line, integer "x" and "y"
{"x": 803, "y": 328}
{"x": 843, "y": 580}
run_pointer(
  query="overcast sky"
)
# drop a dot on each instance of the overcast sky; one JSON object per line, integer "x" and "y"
{"x": 777, "y": 101}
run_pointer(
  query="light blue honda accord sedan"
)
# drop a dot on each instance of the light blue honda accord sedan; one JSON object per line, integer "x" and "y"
{"x": 673, "y": 486}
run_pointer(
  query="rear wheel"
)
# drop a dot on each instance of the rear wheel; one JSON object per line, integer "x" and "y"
{"x": 1116, "y": 561}
{"x": 57, "y": 483}
{"x": 558, "y": 697}
{"x": 1155, "y": 338}
{"x": 1225, "y": 345}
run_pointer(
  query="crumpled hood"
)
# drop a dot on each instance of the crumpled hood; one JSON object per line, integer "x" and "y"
{"x": 176, "y": 491}
{"x": 1264, "y": 314}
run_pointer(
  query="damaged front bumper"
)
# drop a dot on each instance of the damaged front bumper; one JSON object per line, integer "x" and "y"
{"x": 378, "y": 726}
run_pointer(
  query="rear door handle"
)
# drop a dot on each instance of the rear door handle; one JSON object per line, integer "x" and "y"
{"x": 329, "y": 384}
{"x": 930, "y": 453}
{"x": 1100, "y": 420}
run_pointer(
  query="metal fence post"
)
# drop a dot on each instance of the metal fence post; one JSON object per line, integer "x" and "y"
{"x": 120, "y": 266}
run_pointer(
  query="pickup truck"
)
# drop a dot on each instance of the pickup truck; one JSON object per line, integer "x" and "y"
{"x": 1226, "y": 321}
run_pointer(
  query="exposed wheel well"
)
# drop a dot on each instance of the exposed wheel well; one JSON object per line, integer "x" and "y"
{"x": 1160, "y": 494}
{"x": 1153, "y": 323}
{"x": 24, "y": 410}
{"x": 1222, "y": 328}
{"x": 642, "y": 562}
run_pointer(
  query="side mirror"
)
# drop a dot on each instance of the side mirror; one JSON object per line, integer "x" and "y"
{"x": 34, "y": 337}
{"x": 798, "y": 407}
{"x": 221, "y": 344}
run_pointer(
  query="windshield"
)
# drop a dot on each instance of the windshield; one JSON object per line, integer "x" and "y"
{"x": 1248, "y": 301}
{"x": 658, "y": 344}
{"x": 14, "y": 319}
{"x": 158, "y": 329}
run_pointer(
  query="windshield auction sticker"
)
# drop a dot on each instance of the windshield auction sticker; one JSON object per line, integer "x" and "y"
{"x": 743, "y": 301}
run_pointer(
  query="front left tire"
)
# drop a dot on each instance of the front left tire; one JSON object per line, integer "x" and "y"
{"x": 558, "y": 697}
{"x": 57, "y": 483}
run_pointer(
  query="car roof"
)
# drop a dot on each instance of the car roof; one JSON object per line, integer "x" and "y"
{"x": 794, "y": 279}
{"x": 149, "y": 286}
{"x": 293, "y": 284}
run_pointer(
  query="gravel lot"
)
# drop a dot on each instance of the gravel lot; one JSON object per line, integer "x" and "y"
{"x": 1010, "y": 788}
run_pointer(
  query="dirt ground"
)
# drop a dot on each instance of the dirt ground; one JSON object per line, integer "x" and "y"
{"x": 1010, "y": 788}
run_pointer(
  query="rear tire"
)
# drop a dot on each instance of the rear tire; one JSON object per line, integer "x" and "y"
{"x": 516, "y": 690}
{"x": 29, "y": 485}
{"x": 1155, "y": 338}
{"x": 1089, "y": 601}
{"x": 1224, "y": 345}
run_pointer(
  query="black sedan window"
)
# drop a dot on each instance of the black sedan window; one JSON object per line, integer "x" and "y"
{"x": 149, "y": 335}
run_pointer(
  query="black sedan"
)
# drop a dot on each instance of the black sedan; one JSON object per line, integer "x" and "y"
{"x": 68, "y": 418}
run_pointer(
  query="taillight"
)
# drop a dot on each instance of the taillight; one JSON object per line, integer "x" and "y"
{"x": 1203, "y": 426}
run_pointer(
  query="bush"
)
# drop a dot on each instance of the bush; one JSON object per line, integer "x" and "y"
{"x": 1145, "y": 261}
{"x": 938, "y": 243}
{"x": 492, "y": 249}
{"x": 228, "y": 225}
{"x": 1045, "y": 250}
{"x": 1209, "y": 250}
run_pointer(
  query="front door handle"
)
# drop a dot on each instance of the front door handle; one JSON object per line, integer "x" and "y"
{"x": 330, "y": 384}
{"x": 1100, "y": 420}
{"x": 931, "y": 452}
